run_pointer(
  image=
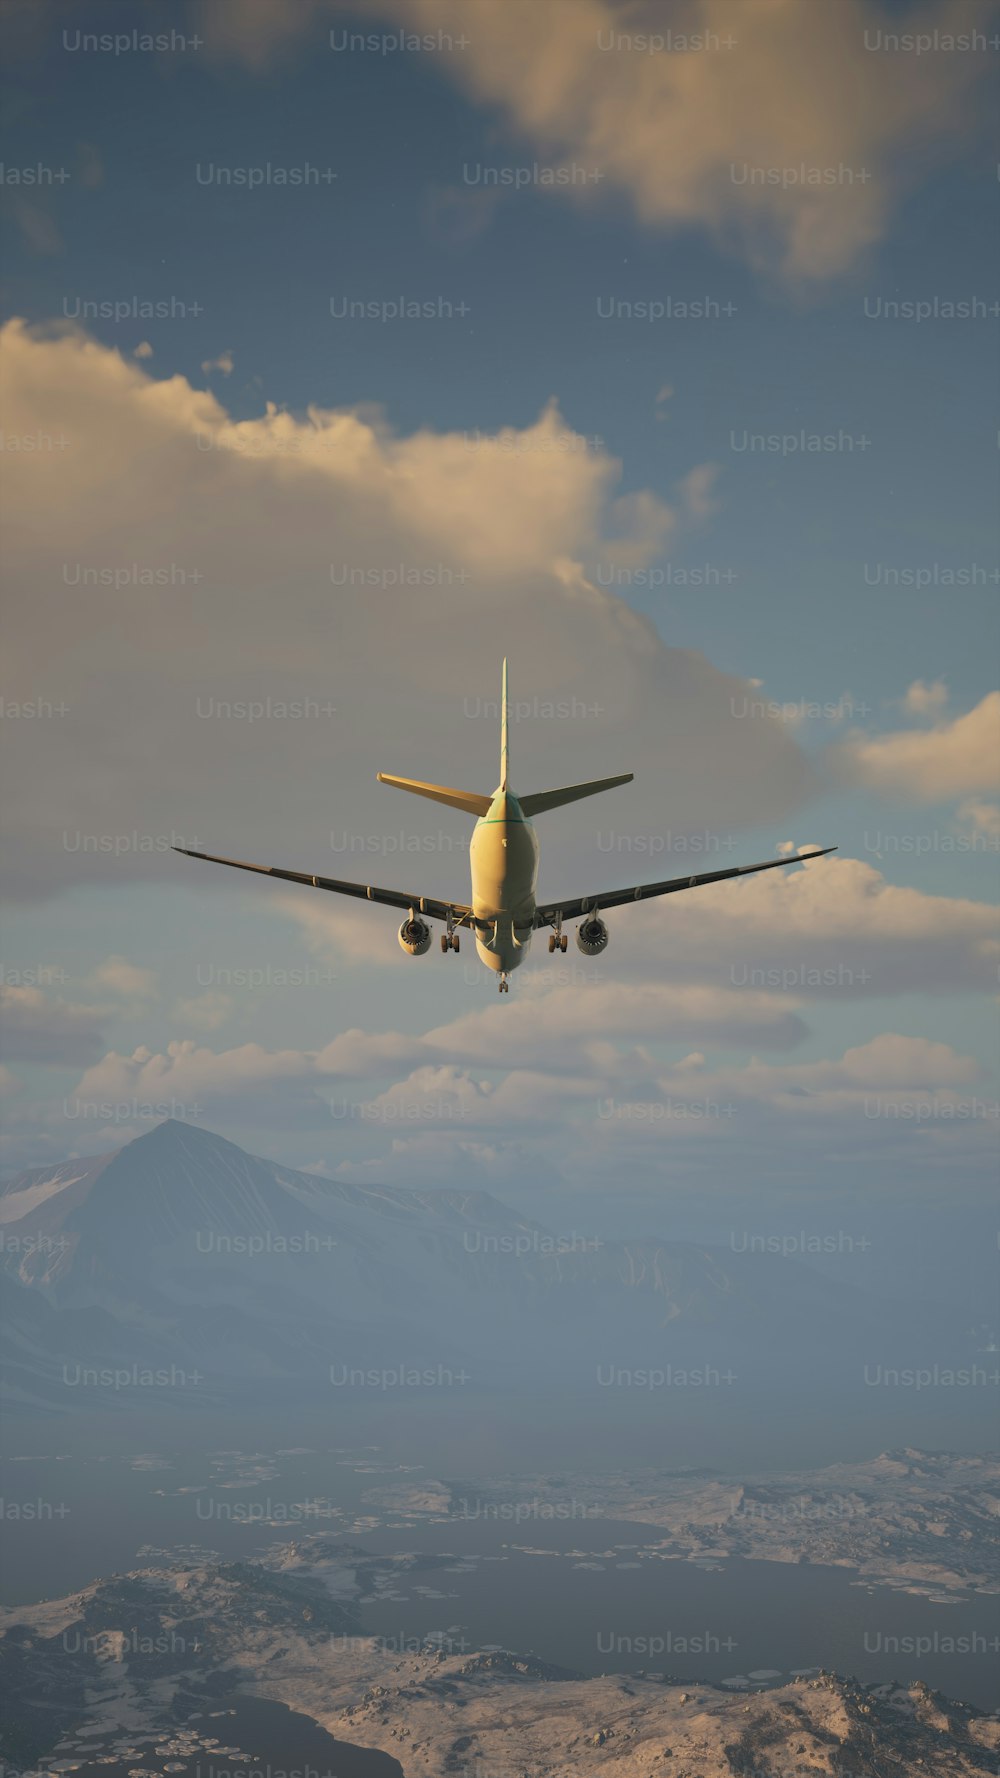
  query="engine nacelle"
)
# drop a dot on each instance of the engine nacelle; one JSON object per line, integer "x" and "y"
{"x": 415, "y": 937}
{"x": 592, "y": 936}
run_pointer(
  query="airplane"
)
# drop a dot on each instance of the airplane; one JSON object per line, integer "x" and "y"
{"x": 503, "y": 854}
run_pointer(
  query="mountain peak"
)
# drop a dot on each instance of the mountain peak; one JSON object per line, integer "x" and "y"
{"x": 174, "y": 1123}
{"x": 177, "y": 1130}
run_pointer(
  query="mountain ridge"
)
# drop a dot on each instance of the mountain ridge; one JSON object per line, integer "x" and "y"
{"x": 245, "y": 1267}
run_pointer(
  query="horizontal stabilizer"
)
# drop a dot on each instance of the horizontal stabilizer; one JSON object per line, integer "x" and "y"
{"x": 570, "y": 793}
{"x": 439, "y": 793}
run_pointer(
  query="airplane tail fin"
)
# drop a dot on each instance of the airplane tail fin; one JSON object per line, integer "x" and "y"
{"x": 503, "y": 727}
{"x": 472, "y": 804}
{"x": 467, "y": 800}
{"x": 570, "y": 793}
{"x": 440, "y": 793}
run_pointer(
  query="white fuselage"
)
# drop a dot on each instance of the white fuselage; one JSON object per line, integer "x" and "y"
{"x": 503, "y": 857}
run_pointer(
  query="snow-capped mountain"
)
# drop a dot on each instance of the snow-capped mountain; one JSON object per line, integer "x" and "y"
{"x": 181, "y": 1247}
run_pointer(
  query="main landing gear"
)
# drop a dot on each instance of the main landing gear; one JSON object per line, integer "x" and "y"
{"x": 558, "y": 941}
{"x": 504, "y": 983}
{"x": 449, "y": 941}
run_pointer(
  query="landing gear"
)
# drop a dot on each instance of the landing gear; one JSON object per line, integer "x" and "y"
{"x": 558, "y": 940}
{"x": 449, "y": 939}
{"x": 504, "y": 984}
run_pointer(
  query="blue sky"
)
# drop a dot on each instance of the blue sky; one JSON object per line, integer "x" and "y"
{"x": 626, "y": 547}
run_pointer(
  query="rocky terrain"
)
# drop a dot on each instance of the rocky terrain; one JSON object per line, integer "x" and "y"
{"x": 490, "y": 1717}
{"x": 94, "y": 1677}
{"x": 921, "y": 1521}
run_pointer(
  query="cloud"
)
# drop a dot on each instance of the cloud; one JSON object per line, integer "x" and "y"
{"x": 835, "y": 930}
{"x": 697, "y": 490}
{"x": 143, "y": 350}
{"x": 951, "y": 759}
{"x": 439, "y": 1096}
{"x": 38, "y": 229}
{"x": 781, "y": 86}
{"x": 206, "y": 1012}
{"x": 336, "y": 510}
{"x": 255, "y": 31}
{"x": 724, "y": 969}
{"x": 342, "y": 931}
{"x": 889, "y": 1061}
{"x": 224, "y": 364}
{"x": 188, "y": 1081}
{"x": 894, "y": 1096}
{"x": 570, "y": 1077}
{"x": 788, "y": 136}
{"x": 983, "y": 818}
{"x": 926, "y": 700}
{"x": 118, "y": 976}
{"x": 909, "y": 1099}
{"x": 556, "y": 1030}
{"x": 36, "y": 1028}
{"x": 669, "y": 128}
{"x": 546, "y": 1035}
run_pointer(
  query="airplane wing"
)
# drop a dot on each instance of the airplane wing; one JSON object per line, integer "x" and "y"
{"x": 393, "y": 898}
{"x": 585, "y": 904}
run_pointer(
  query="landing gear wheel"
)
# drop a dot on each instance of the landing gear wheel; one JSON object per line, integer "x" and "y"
{"x": 504, "y": 985}
{"x": 553, "y": 941}
{"x": 454, "y": 941}
{"x": 445, "y": 942}
{"x": 563, "y": 940}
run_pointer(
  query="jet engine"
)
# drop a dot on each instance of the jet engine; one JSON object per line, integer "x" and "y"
{"x": 592, "y": 936}
{"x": 415, "y": 937}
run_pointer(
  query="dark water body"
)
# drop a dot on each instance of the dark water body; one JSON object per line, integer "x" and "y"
{"x": 273, "y": 1742}
{"x": 660, "y": 1616}
{"x": 91, "y": 1517}
{"x": 637, "y": 1612}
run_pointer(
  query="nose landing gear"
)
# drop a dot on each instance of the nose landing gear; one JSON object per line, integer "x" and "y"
{"x": 504, "y": 983}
